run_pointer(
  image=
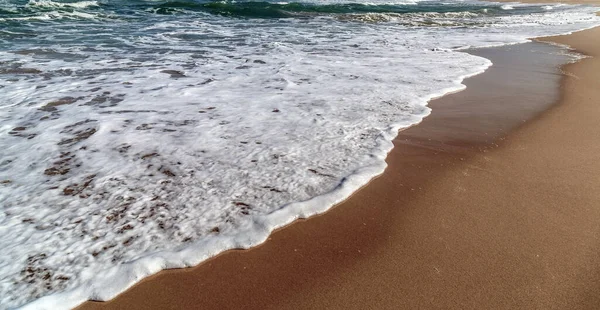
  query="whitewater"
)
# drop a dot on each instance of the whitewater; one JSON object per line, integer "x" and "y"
{"x": 137, "y": 136}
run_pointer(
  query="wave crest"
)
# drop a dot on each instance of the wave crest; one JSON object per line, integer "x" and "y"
{"x": 52, "y": 4}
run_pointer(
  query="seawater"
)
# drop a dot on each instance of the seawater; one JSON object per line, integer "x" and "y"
{"x": 142, "y": 135}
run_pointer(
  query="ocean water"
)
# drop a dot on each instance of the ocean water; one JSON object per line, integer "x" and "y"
{"x": 139, "y": 135}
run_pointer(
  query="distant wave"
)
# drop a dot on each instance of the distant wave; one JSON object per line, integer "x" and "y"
{"x": 52, "y": 4}
{"x": 296, "y": 9}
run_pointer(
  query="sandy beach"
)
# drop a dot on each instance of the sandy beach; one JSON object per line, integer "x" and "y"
{"x": 493, "y": 210}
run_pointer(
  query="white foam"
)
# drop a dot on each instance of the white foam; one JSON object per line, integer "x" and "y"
{"x": 53, "y": 4}
{"x": 273, "y": 121}
{"x": 53, "y": 15}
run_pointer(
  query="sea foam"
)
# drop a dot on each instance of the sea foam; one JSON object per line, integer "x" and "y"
{"x": 160, "y": 138}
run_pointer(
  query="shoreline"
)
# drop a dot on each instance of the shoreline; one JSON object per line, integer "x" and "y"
{"x": 292, "y": 229}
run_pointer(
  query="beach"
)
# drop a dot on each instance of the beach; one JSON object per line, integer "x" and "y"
{"x": 202, "y": 154}
{"x": 498, "y": 211}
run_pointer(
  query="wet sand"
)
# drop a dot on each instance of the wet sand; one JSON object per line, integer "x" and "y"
{"x": 493, "y": 202}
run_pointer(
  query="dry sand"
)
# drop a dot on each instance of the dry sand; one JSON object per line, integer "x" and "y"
{"x": 507, "y": 220}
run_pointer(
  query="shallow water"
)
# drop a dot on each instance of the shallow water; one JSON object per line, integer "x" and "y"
{"x": 142, "y": 135}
